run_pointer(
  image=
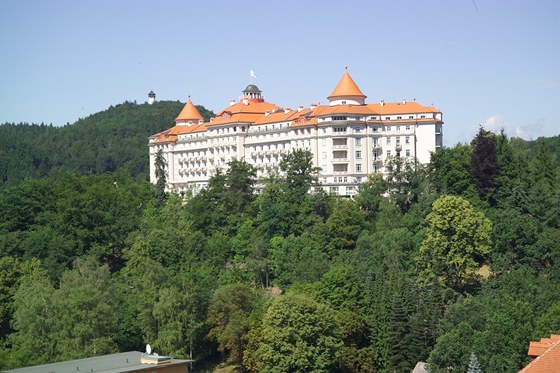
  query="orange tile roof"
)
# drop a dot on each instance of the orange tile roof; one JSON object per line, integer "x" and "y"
{"x": 278, "y": 116}
{"x": 200, "y": 128}
{"x": 189, "y": 113}
{"x": 547, "y": 352}
{"x": 304, "y": 121}
{"x": 235, "y": 118}
{"x": 343, "y": 109}
{"x": 346, "y": 87}
{"x": 164, "y": 137}
{"x": 401, "y": 108}
{"x": 251, "y": 107}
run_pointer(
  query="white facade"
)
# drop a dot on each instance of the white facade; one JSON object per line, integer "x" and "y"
{"x": 348, "y": 138}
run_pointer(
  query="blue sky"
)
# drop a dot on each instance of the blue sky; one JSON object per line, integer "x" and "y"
{"x": 485, "y": 62}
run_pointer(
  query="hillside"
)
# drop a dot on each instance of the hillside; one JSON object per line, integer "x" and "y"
{"x": 103, "y": 142}
{"x": 430, "y": 264}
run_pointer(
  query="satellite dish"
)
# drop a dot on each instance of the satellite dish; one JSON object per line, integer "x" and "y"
{"x": 148, "y": 349}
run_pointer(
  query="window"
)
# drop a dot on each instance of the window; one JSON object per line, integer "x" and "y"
{"x": 359, "y": 179}
{"x": 408, "y": 152}
{"x": 411, "y": 117}
{"x": 422, "y": 116}
{"x": 398, "y": 128}
{"x": 340, "y": 117}
{"x": 407, "y": 127}
{"x": 398, "y": 141}
{"x": 399, "y": 117}
{"x": 375, "y": 155}
{"x": 339, "y": 129}
{"x": 358, "y": 141}
{"x": 333, "y": 189}
{"x": 357, "y": 129}
{"x": 375, "y": 168}
{"x": 407, "y": 140}
{"x": 343, "y": 102}
{"x": 388, "y": 153}
{"x": 358, "y": 167}
{"x": 358, "y": 154}
{"x": 387, "y": 118}
{"x": 388, "y": 141}
{"x": 373, "y": 118}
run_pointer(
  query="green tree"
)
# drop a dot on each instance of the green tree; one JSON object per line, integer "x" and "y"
{"x": 474, "y": 366}
{"x": 298, "y": 334}
{"x": 484, "y": 162}
{"x": 228, "y": 314}
{"x": 344, "y": 226}
{"x": 449, "y": 171}
{"x": 161, "y": 177}
{"x": 239, "y": 180}
{"x": 79, "y": 319}
{"x": 456, "y": 244}
{"x": 300, "y": 174}
{"x": 405, "y": 182}
{"x": 12, "y": 271}
{"x": 370, "y": 194}
{"x": 297, "y": 260}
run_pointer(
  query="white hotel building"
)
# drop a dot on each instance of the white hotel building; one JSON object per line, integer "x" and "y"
{"x": 348, "y": 138}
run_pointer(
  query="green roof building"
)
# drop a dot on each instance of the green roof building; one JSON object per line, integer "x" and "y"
{"x": 133, "y": 361}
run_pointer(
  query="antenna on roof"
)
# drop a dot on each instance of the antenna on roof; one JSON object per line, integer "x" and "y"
{"x": 148, "y": 349}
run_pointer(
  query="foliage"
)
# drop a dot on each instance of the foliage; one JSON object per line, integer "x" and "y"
{"x": 161, "y": 177}
{"x": 100, "y": 143}
{"x": 298, "y": 334}
{"x": 456, "y": 243}
{"x": 79, "y": 319}
{"x": 228, "y": 314}
{"x": 410, "y": 270}
{"x": 484, "y": 162}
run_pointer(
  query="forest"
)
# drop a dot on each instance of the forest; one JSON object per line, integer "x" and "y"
{"x": 441, "y": 263}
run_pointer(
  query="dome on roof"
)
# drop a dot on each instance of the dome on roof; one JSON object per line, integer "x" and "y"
{"x": 251, "y": 88}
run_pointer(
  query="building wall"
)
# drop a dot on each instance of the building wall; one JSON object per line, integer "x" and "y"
{"x": 346, "y": 150}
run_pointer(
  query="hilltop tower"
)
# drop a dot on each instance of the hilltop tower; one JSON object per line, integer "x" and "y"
{"x": 151, "y": 97}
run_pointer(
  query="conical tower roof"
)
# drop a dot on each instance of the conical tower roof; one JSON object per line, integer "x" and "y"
{"x": 346, "y": 87}
{"x": 189, "y": 113}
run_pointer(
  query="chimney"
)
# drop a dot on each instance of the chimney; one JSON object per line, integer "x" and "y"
{"x": 287, "y": 110}
{"x": 300, "y": 108}
{"x": 404, "y": 101}
{"x": 266, "y": 113}
{"x": 382, "y": 103}
{"x": 245, "y": 101}
{"x": 312, "y": 106}
{"x": 231, "y": 102}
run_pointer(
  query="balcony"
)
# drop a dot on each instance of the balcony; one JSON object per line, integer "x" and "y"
{"x": 340, "y": 160}
{"x": 340, "y": 146}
